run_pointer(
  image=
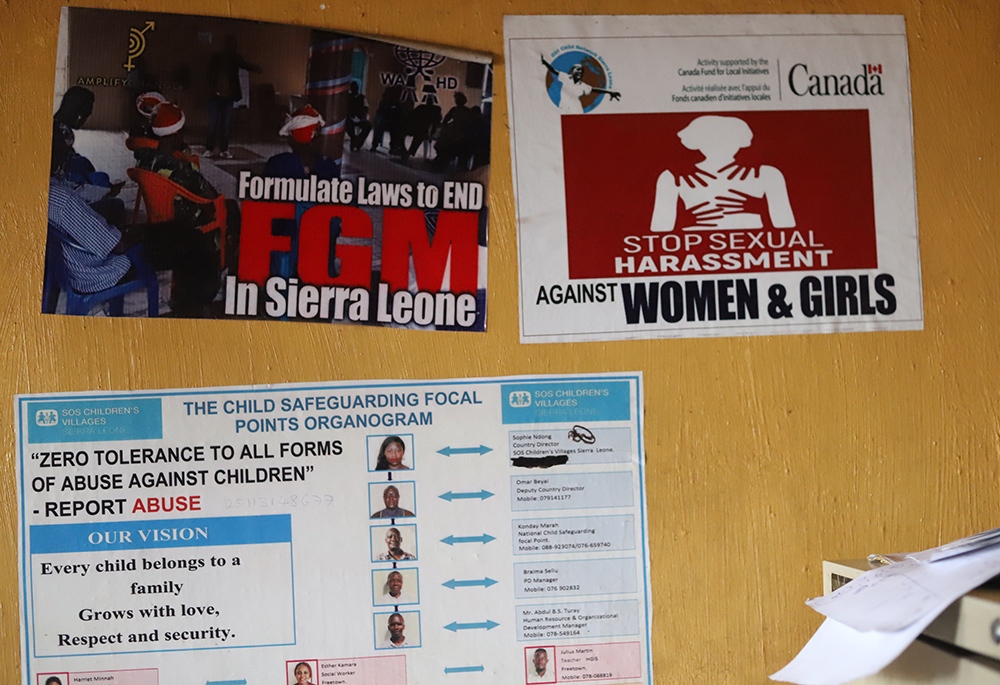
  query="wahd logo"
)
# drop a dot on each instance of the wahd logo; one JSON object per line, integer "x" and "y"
{"x": 867, "y": 82}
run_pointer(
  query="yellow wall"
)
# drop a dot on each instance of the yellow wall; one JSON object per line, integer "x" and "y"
{"x": 765, "y": 454}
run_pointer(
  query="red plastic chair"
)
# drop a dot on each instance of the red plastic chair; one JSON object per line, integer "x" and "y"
{"x": 158, "y": 192}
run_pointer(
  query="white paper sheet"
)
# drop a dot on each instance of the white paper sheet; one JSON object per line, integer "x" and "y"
{"x": 626, "y": 231}
{"x": 839, "y": 654}
{"x": 891, "y": 598}
{"x": 872, "y": 619}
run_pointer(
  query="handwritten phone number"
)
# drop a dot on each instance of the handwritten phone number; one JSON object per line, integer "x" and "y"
{"x": 280, "y": 502}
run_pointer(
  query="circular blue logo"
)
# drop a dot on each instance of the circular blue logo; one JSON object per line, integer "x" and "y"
{"x": 591, "y": 73}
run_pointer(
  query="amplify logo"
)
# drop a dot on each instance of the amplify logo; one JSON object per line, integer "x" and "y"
{"x": 137, "y": 43}
{"x": 868, "y": 82}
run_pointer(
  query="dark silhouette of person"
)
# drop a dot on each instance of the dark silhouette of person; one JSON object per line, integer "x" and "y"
{"x": 224, "y": 86}
{"x": 358, "y": 126}
{"x": 422, "y": 123}
{"x": 390, "y": 116}
{"x": 455, "y": 141}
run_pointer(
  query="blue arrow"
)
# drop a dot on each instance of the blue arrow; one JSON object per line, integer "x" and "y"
{"x": 463, "y": 669}
{"x": 452, "y": 540}
{"x": 455, "y": 627}
{"x": 485, "y": 582}
{"x": 448, "y": 451}
{"x": 482, "y": 494}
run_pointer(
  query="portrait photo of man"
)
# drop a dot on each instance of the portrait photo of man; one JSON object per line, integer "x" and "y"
{"x": 538, "y": 668}
{"x": 388, "y": 500}
{"x": 393, "y": 543}
{"x": 395, "y": 587}
{"x": 397, "y": 630}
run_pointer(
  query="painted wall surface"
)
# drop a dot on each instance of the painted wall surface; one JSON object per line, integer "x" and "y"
{"x": 765, "y": 454}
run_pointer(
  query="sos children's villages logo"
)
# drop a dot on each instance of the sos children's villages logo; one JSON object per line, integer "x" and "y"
{"x": 47, "y": 417}
{"x": 577, "y": 79}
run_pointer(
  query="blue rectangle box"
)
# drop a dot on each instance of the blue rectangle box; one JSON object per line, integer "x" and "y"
{"x": 569, "y": 401}
{"x": 541, "y": 491}
{"x": 583, "y": 620}
{"x": 573, "y": 577}
{"x": 96, "y": 420}
{"x": 164, "y": 533}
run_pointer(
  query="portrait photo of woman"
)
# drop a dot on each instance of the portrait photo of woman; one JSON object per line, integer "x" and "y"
{"x": 392, "y": 455}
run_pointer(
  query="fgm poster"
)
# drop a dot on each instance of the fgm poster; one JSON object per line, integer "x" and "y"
{"x": 217, "y": 168}
{"x": 694, "y": 176}
{"x": 336, "y": 534}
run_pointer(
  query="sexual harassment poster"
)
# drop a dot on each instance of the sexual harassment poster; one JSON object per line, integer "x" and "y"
{"x": 384, "y": 532}
{"x": 205, "y": 167}
{"x": 691, "y": 176}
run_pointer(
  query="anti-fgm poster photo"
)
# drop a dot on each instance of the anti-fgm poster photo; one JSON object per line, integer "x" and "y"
{"x": 694, "y": 176}
{"x": 205, "y": 167}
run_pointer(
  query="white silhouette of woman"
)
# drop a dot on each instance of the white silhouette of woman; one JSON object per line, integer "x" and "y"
{"x": 712, "y": 198}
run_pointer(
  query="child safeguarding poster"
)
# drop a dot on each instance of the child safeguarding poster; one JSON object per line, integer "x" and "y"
{"x": 205, "y": 167}
{"x": 336, "y": 534}
{"x": 691, "y": 176}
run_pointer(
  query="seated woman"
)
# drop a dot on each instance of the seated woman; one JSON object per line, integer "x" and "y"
{"x": 180, "y": 244}
{"x": 141, "y": 135}
{"x": 305, "y": 159}
{"x": 719, "y": 200}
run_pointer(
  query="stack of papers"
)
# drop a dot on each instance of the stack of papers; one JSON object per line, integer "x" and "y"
{"x": 872, "y": 619}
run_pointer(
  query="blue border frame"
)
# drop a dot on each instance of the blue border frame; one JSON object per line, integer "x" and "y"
{"x": 415, "y": 552}
{"x": 375, "y": 630}
{"x": 636, "y": 389}
{"x": 513, "y": 490}
{"x": 518, "y": 607}
{"x": 570, "y": 594}
{"x": 386, "y": 570}
{"x": 412, "y": 452}
{"x": 386, "y": 483}
{"x": 291, "y": 569}
{"x": 514, "y": 535}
